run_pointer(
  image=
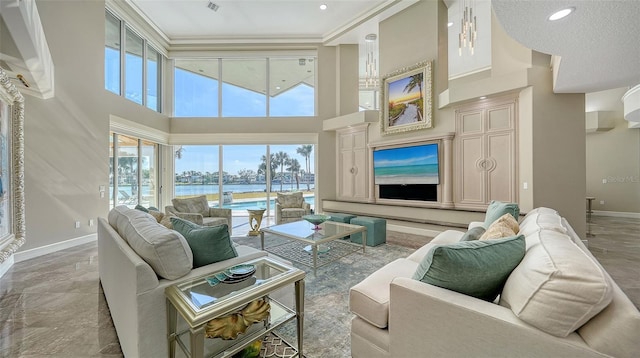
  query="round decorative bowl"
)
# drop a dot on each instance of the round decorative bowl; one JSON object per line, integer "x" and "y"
{"x": 316, "y": 219}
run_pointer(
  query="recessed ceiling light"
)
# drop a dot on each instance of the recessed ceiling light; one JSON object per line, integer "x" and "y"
{"x": 277, "y": 87}
{"x": 560, "y": 14}
{"x": 323, "y": 7}
{"x": 449, "y": 24}
{"x": 483, "y": 97}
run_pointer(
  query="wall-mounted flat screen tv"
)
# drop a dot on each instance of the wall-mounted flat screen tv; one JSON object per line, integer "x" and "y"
{"x": 406, "y": 165}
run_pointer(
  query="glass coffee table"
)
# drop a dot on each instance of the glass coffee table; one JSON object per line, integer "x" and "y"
{"x": 318, "y": 240}
{"x": 212, "y": 303}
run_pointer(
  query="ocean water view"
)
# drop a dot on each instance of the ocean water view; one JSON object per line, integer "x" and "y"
{"x": 407, "y": 174}
{"x": 200, "y": 189}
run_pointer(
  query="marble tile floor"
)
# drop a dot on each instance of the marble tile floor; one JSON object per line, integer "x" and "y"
{"x": 53, "y": 305}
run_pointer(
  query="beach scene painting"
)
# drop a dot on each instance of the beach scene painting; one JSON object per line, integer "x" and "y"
{"x": 406, "y": 96}
{"x": 406, "y": 165}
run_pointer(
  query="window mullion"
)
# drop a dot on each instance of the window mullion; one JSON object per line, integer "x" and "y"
{"x": 268, "y": 86}
{"x": 144, "y": 72}
{"x": 219, "y": 87}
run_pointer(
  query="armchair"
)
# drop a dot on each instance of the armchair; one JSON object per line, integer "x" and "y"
{"x": 291, "y": 207}
{"x": 197, "y": 210}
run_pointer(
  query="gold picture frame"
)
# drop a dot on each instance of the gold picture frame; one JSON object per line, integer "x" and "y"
{"x": 406, "y": 97}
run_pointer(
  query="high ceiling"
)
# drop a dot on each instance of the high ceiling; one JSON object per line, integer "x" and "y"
{"x": 260, "y": 21}
{"x": 596, "y": 52}
{"x": 597, "y": 43}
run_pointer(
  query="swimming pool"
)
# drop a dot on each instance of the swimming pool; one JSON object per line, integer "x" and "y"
{"x": 252, "y": 204}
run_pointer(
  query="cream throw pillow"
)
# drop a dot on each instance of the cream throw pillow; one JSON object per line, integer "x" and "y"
{"x": 557, "y": 287}
{"x": 505, "y": 226}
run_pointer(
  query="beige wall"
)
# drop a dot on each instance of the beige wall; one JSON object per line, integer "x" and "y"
{"x": 66, "y": 137}
{"x": 613, "y": 156}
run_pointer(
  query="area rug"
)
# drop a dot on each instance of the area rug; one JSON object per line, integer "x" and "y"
{"x": 275, "y": 347}
{"x": 327, "y": 320}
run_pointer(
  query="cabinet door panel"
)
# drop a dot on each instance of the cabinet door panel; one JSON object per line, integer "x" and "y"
{"x": 500, "y": 118}
{"x": 500, "y": 167}
{"x": 470, "y": 122}
{"x": 360, "y": 190}
{"x": 472, "y": 175}
{"x": 345, "y": 188}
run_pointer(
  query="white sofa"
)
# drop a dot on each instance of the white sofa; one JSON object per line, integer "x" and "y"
{"x": 398, "y": 316}
{"x": 134, "y": 292}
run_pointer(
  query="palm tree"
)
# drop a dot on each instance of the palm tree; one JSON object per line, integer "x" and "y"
{"x": 305, "y": 151}
{"x": 262, "y": 168}
{"x": 416, "y": 80}
{"x": 281, "y": 159}
{"x": 179, "y": 151}
{"x": 293, "y": 166}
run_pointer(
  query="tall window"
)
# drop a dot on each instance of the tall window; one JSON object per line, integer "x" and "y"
{"x": 244, "y": 88}
{"x": 198, "y": 172}
{"x": 249, "y": 87}
{"x": 112, "y": 54}
{"x": 247, "y": 181}
{"x": 292, "y": 87}
{"x": 153, "y": 78}
{"x": 136, "y": 75}
{"x": 135, "y": 178}
{"x": 247, "y": 175}
{"x": 133, "y": 67}
{"x": 196, "y": 88}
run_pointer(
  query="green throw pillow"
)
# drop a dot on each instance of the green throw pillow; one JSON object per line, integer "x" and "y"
{"x": 146, "y": 210}
{"x": 473, "y": 234}
{"x": 497, "y": 208}
{"x": 474, "y": 268}
{"x": 142, "y": 208}
{"x": 208, "y": 244}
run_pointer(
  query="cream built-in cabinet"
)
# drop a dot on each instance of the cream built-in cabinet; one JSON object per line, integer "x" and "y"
{"x": 486, "y": 153}
{"x": 353, "y": 164}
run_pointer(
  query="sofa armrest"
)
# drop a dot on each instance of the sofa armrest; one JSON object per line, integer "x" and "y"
{"x": 475, "y": 224}
{"x": 443, "y": 322}
{"x": 307, "y": 207}
{"x": 278, "y": 212}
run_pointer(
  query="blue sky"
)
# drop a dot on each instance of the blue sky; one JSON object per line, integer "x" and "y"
{"x": 236, "y": 157}
{"x": 416, "y": 155}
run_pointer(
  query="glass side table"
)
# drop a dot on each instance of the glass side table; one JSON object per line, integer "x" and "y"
{"x": 205, "y": 298}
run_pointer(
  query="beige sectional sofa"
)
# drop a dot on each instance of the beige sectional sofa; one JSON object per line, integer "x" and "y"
{"x": 138, "y": 259}
{"x": 558, "y": 302}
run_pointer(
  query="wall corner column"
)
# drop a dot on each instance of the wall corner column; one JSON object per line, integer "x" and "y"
{"x": 447, "y": 172}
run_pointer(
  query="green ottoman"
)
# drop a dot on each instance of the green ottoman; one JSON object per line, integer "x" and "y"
{"x": 341, "y": 218}
{"x": 376, "y": 230}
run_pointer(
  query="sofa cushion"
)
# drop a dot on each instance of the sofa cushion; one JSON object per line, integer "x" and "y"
{"x": 165, "y": 250}
{"x": 474, "y": 268}
{"x": 293, "y": 213}
{"x": 445, "y": 237}
{"x": 473, "y": 234}
{"x": 497, "y": 208}
{"x": 208, "y": 244}
{"x": 198, "y": 204}
{"x": 557, "y": 287}
{"x": 369, "y": 299}
{"x": 505, "y": 226}
{"x": 290, "y": 200}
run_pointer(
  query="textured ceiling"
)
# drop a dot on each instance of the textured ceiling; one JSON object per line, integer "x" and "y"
{"x": 598, "y": 43}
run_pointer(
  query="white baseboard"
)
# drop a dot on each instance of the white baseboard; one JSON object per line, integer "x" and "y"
{"x": 619, "y": 214}
{"x": 6, "y": 265}
{"x": 413, "y": 230}
{"x": 43, "y": 250}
